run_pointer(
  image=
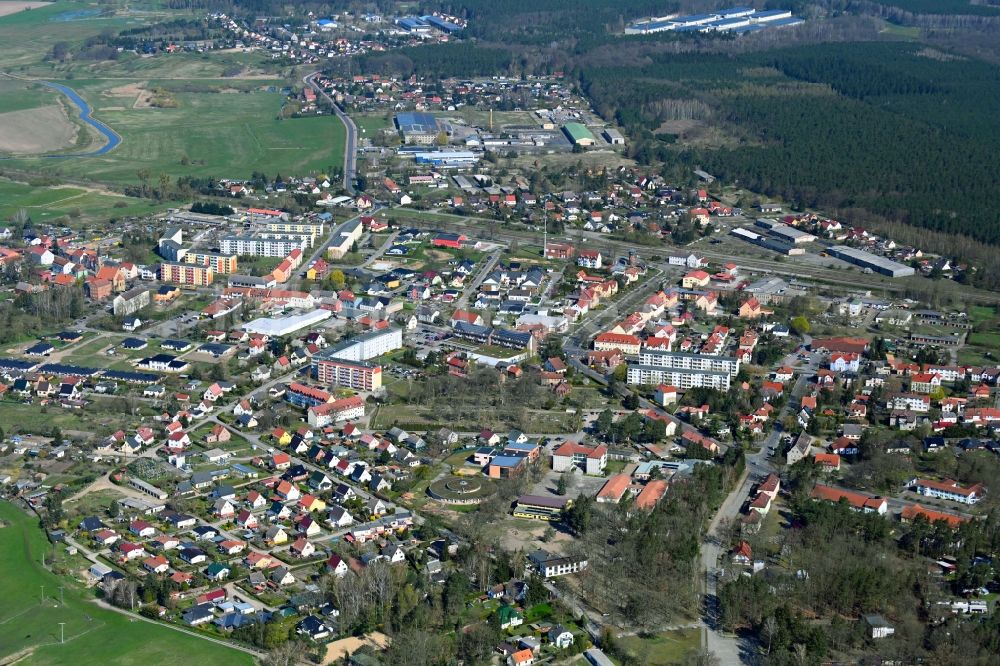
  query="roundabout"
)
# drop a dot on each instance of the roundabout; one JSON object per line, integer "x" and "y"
{"x": 462, "y": 490}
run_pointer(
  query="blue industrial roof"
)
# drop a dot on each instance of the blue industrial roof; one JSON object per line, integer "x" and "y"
{"x": 792, "y": 20}
{"x": 441, "y": 24}
{"x": 411, "y": 22}
{"x": 416, "y": 122}
{"x": 722, "y": 24}
{"x": 507, "y": 461}
{"x": 734, "y": 10}
{"x": 694, "y": 17}
{"x": 770, "y": 12}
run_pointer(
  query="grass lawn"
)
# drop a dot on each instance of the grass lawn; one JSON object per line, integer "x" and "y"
{"x": 30, "y": 626}
{"x": 370, "y": 124}
{"x": 662, "y": 649}
{"x": 988, "y": 340}
{"x": 981, "y": 313}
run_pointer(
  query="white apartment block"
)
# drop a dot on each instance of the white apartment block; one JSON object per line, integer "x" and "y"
{"x": 264, "y": 245}
{"x": 683, "y": 370}
{"x": 367, "y": 345}
{"x": 314, "y": 229}
{"x": 682, "y": 379}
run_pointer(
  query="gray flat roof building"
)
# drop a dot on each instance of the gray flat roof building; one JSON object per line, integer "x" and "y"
{"x": 871, "y": 261}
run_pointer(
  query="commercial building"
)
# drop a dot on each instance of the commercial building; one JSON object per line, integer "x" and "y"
{"x": 222, "y": 264}
{"x": 191, "y": 275}
{"x": 358, "y": 375}
{"x": 683, "y": 370}
{"x": 417, "y": 128}
{"x": 870, "y": 261}
{"x": 785, "y": 233}
{"x": 578, "y": 134}
{"x": 736, "y": 19}
{"x": 279, "y": 326}
{"x": 614, "y": 137}
{"x": 447, "y": 158}
{"x": 364, "y": 346}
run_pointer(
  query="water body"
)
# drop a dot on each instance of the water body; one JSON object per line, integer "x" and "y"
{"x": 113, "y": 138}
{"x": 78, "y": 15}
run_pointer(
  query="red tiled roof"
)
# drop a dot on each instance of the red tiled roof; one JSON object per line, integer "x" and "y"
{"x": 913, "y": 510}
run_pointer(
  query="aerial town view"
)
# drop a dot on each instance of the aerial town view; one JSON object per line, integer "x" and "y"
{"x": 494, "y": 332}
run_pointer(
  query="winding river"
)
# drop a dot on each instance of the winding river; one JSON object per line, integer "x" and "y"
{"x": 85, "y": 115}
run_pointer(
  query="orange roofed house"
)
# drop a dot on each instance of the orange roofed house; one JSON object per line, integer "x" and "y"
{"x": 651, "y": 494}
{"x": 911, "y": 511}
{"x": 857, "y": 501}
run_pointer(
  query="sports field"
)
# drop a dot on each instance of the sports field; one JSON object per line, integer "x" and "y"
{"x": 29, "y": 622}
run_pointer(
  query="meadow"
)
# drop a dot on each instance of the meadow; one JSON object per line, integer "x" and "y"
{"x": 45, "y": 204}
{"x": 29, "y": 621}
{"x": 208, "y": 134}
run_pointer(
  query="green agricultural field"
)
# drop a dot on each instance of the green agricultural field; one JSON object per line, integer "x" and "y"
{"x": 208, "y": 134}
{"x": 20, "y": 95}
{"x": 29, "y": 621}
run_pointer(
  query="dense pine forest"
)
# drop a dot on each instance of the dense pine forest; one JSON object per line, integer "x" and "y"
{"x": 893, "y": 128}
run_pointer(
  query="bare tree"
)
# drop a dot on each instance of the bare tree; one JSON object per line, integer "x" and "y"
{"x": 286, "y": 654}
{"x": 769, "y": 630}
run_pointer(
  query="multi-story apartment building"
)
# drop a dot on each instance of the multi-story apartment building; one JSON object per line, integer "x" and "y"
{"x": 314, "y": 229}
{"x": 131, "y": 301}
{"x": 191, "y": 275}
{"x": 222, "y": 264}
{"x": 345, "y": 409}
{"x": 358, "y": 375}
{"x": 366, "y": 346}
{"x": 949, "y": 490}
{"x": 683, "y": 370}
{"x": 264, "y": 245}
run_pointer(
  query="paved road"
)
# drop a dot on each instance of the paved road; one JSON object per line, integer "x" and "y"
{"x": 351, "y": 143}
{"x": 473, "y": 288}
